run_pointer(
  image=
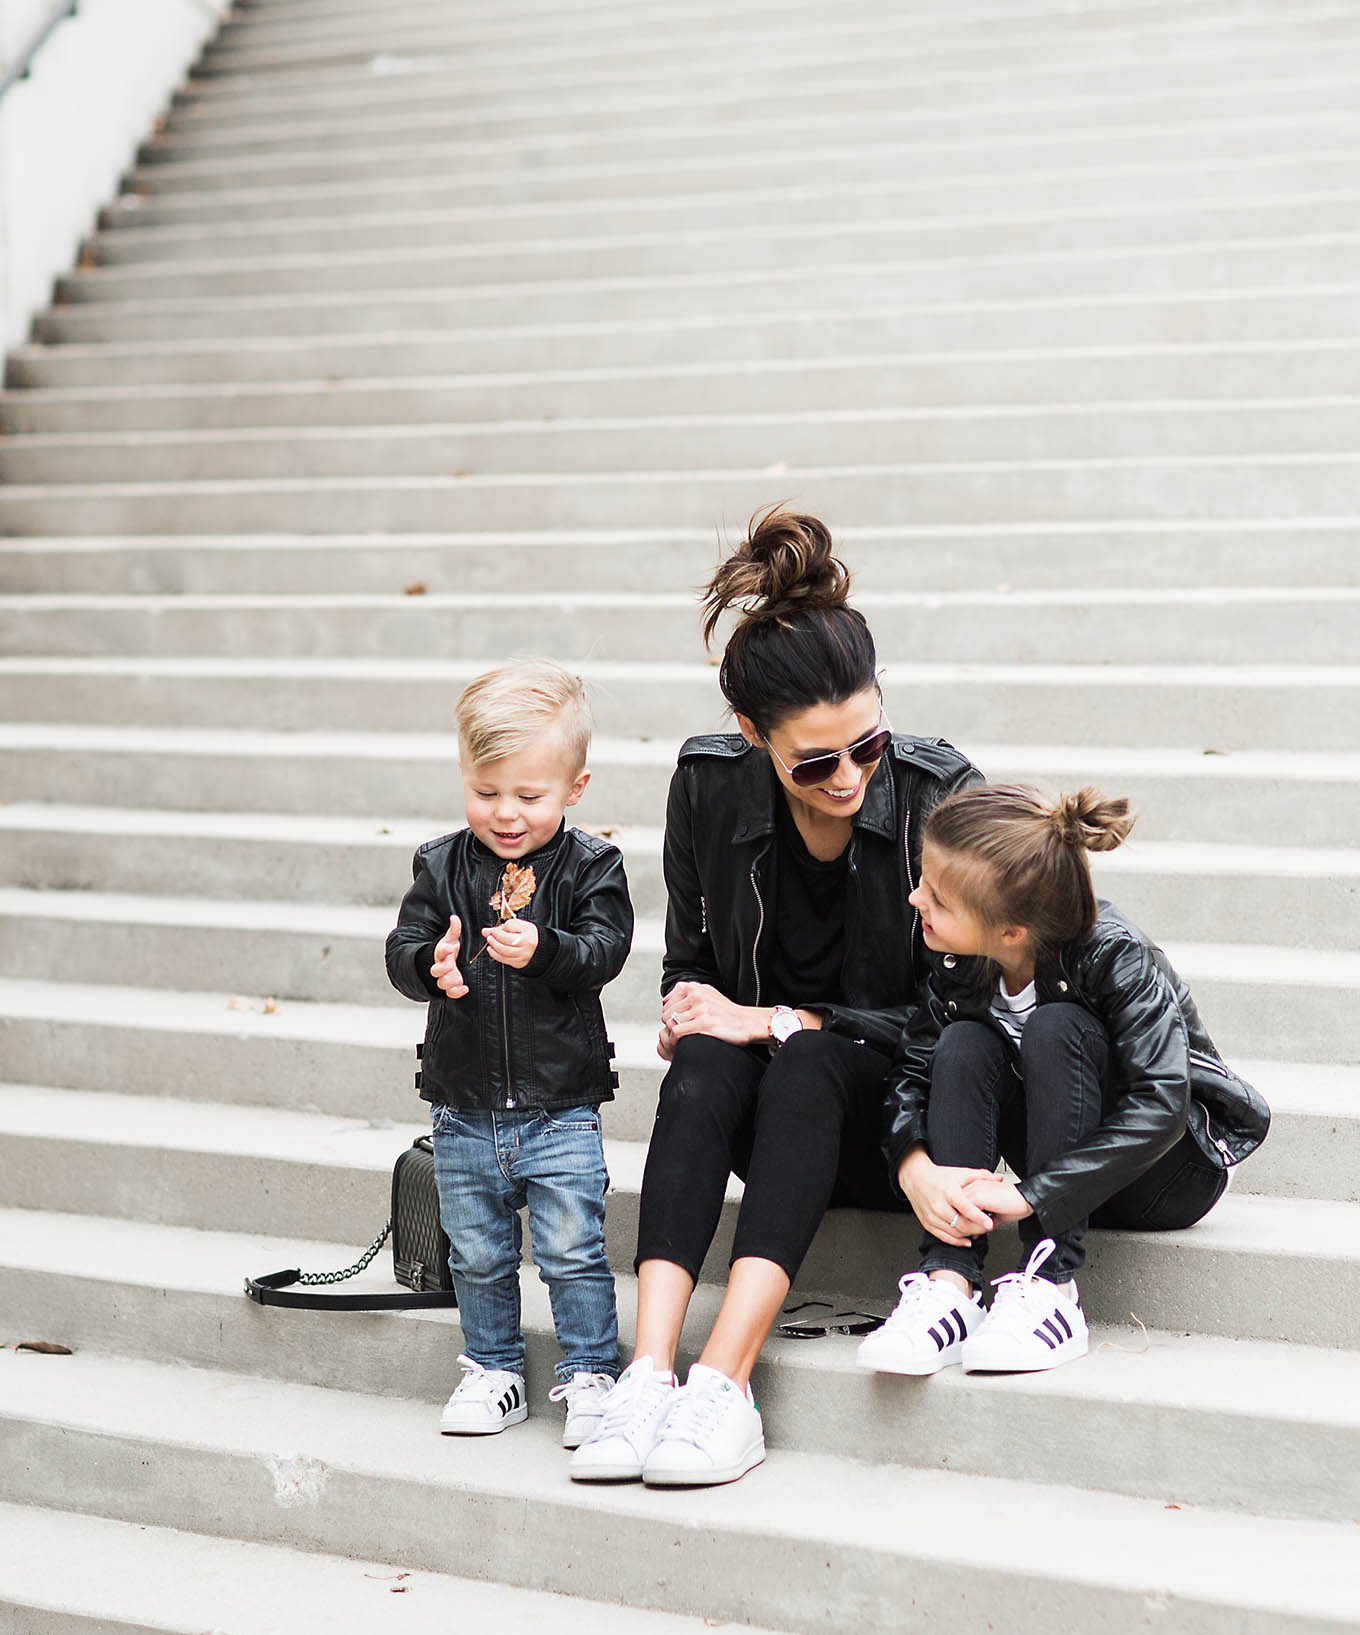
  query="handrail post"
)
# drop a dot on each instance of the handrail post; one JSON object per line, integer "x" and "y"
{"x": 23, "y": 63}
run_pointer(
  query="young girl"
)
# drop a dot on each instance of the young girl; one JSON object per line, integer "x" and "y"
{"x": 1054, "y": 1034}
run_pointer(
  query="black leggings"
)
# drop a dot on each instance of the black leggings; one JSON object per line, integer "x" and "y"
{"x": 801, "y": 1128}
{"x": 986, "y": 1101}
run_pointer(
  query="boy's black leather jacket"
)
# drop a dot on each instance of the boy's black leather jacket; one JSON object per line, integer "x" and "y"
{"x": 530, "y": 1038}
{"x": 1170, "y": 1075}
{"x": 720, "y": 826}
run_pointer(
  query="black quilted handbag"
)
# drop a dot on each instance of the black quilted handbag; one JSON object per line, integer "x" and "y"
{"x": 420, "y": 1251}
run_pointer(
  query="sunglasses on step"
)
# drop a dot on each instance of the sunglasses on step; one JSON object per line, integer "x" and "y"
{"x": 815, "y": 769}
{"x": 814, "y": 1328}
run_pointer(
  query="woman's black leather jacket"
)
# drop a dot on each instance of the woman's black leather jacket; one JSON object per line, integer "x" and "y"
{"x": 720, "y": 828}
{"x": 530, "y": 1038}
{"x": 1170, "y": 1076}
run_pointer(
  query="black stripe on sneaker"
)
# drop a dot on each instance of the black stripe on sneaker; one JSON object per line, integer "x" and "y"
{"x": 940, "y": 1341}
{"x": 1063, "y": 1324}
{"x": 1050, "y": 1331}
{"x": 509, "y": 1402}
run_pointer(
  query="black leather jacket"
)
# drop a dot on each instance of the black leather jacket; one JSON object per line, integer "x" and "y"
{"x": 1170, "y": 1075}
{"x": 720, "y": 826}
{"x": 530, "y": 1038}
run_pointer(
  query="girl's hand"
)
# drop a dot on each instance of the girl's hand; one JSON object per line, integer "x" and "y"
{"x": 512, "y": 942}
{"x": 1000, "y": 1198}
{"x": 941, "y": 1197}
{"x": 445, "y": 968}
{"x": 695, "y": 1007}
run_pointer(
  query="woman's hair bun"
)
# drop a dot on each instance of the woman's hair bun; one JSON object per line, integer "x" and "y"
{"x": 1090, "y": 820}
{"x": 785, "y": 566}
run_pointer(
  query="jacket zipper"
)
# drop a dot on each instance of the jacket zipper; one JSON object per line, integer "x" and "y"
{"x": 1225, "y": 1151}
{"x": 760, "y": 927}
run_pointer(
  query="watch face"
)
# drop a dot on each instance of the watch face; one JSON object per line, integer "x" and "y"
{"x": 785, "y": 1025}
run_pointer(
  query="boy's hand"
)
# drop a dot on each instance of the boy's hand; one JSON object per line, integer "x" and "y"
{"x": 445, "y": 970}
{"x": 512, "y": 942}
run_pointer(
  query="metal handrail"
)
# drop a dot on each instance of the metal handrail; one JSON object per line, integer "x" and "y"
{"x": 19, "y": 68}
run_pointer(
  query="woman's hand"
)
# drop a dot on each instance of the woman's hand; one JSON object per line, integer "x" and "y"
{"x": 665, "y": 1044}
{"x": 941, "y": 1197}
{"x": 1003, "y": 1199}
{"x": 695, "y": 1007}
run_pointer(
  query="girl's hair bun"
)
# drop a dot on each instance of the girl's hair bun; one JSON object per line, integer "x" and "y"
{"x": 1091, "y": 821}
{"x": 786, "y": 566}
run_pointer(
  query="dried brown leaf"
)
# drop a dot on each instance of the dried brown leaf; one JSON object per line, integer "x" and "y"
{"x": 418, "y": 588}
{"x": 49, "y": 1348}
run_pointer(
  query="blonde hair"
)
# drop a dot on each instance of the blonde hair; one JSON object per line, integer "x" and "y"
{"x": 1028, "y": 855}
{"x": 507, "y": 709}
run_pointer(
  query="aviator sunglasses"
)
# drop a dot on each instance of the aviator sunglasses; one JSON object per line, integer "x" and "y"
{"x": 815, "y": 769}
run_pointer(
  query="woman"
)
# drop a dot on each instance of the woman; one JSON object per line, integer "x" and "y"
{"x": 792, "y": 959}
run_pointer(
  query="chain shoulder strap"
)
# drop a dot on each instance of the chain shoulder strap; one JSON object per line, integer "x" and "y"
{"x": 364, "y": 1260}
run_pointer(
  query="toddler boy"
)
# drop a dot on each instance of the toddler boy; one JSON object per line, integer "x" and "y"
{"x": 516, "y": 1060}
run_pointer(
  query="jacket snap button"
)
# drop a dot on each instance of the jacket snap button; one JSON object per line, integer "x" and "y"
{"x": 950, "y": 962}
{"x": 1062, "y": 987}
{"x": 952, "y": 1007}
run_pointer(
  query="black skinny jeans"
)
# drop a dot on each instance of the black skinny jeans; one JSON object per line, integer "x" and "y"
{"x": 988, "y": 1102}
{"x": 801, "y": 1128}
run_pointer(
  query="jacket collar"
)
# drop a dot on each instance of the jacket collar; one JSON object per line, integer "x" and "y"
{"x": 484, "y": 854}
{"x": 758, "y": 788}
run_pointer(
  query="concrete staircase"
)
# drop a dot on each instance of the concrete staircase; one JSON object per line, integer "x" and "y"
{"x": 431, "y": 333}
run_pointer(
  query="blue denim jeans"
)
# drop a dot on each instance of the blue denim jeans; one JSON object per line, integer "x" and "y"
{"x": 490, "y": 1165}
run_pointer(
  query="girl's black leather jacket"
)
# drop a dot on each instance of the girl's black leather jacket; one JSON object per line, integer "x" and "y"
{"x": 1170, "y": 1075}
{"x": 530, "y": 1038}
{"x": 720, "y": 827}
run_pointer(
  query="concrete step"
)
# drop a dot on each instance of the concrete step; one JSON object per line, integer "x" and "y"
{"x": 1305, "y": 552}
{"x": 223, "y": 122}
{"x": 898, "y": 90}
{"x": 1292, "y": 896}
{"x": 1292, "y": 378}
{"x": 1123, "y": 489}
{"x": 140, "y": 234}
{"x": 1214, "y": 709}
{"x": 81, "y": 1430}
{"x": 254, "y": 44}
{"x": 987, "y": 242}
{"x": 928, "y": 437}
{"x": 1217, "y": 295}
{"x": 163, "y": 1294}
{"x": 132, "y": 1579}
{"x": 1181, "y": 794}
{"x": 671, "y": 49}
{"x": 952, "y": 170}
{"x": 1295, "y": 328}
{"x": 1316, "y": 630}
{"x": 1256, "y": 998}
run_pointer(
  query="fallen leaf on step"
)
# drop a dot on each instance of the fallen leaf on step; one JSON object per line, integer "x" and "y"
{"x": 239, "y": 1002}
{"x": 1170, "y": 1507}
{"x": 1214, "y": 752}
{"x": 49, "y": 1348}
{"x": 270, "y": 1005}
{"x": 417, "y": 589}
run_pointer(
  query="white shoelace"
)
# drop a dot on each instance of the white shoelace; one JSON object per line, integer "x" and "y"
{"x": 696, "y": 1412}
{"x": 633, "y": 1401}
{"x": 478, "y": 1381}
{"x": 1014, "y": 1305}
{"x": 580, "y": 1382}
{"x": 915, "y": 1289}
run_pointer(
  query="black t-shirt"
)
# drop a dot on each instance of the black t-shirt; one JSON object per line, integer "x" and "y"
{"x": 805, "y": 934}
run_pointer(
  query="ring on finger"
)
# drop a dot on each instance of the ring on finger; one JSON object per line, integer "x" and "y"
{"x": 955, "y": 1221}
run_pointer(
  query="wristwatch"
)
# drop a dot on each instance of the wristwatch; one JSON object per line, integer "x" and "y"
{"x": 784, "y": 1024}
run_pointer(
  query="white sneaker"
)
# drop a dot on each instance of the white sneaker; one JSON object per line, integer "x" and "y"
{"x": 1031, "y": 1324}
{"x": 485, "y": 1401}
{"x": 584, "y": 1395}
{"x": 926, "y": 1330}
{"x": 713, "y": 1433}
{"x": 629, "y": 1425}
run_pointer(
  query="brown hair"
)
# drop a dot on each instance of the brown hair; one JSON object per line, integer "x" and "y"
{"x": 1031, "y": 850}
{"x": 799, "y": 642}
